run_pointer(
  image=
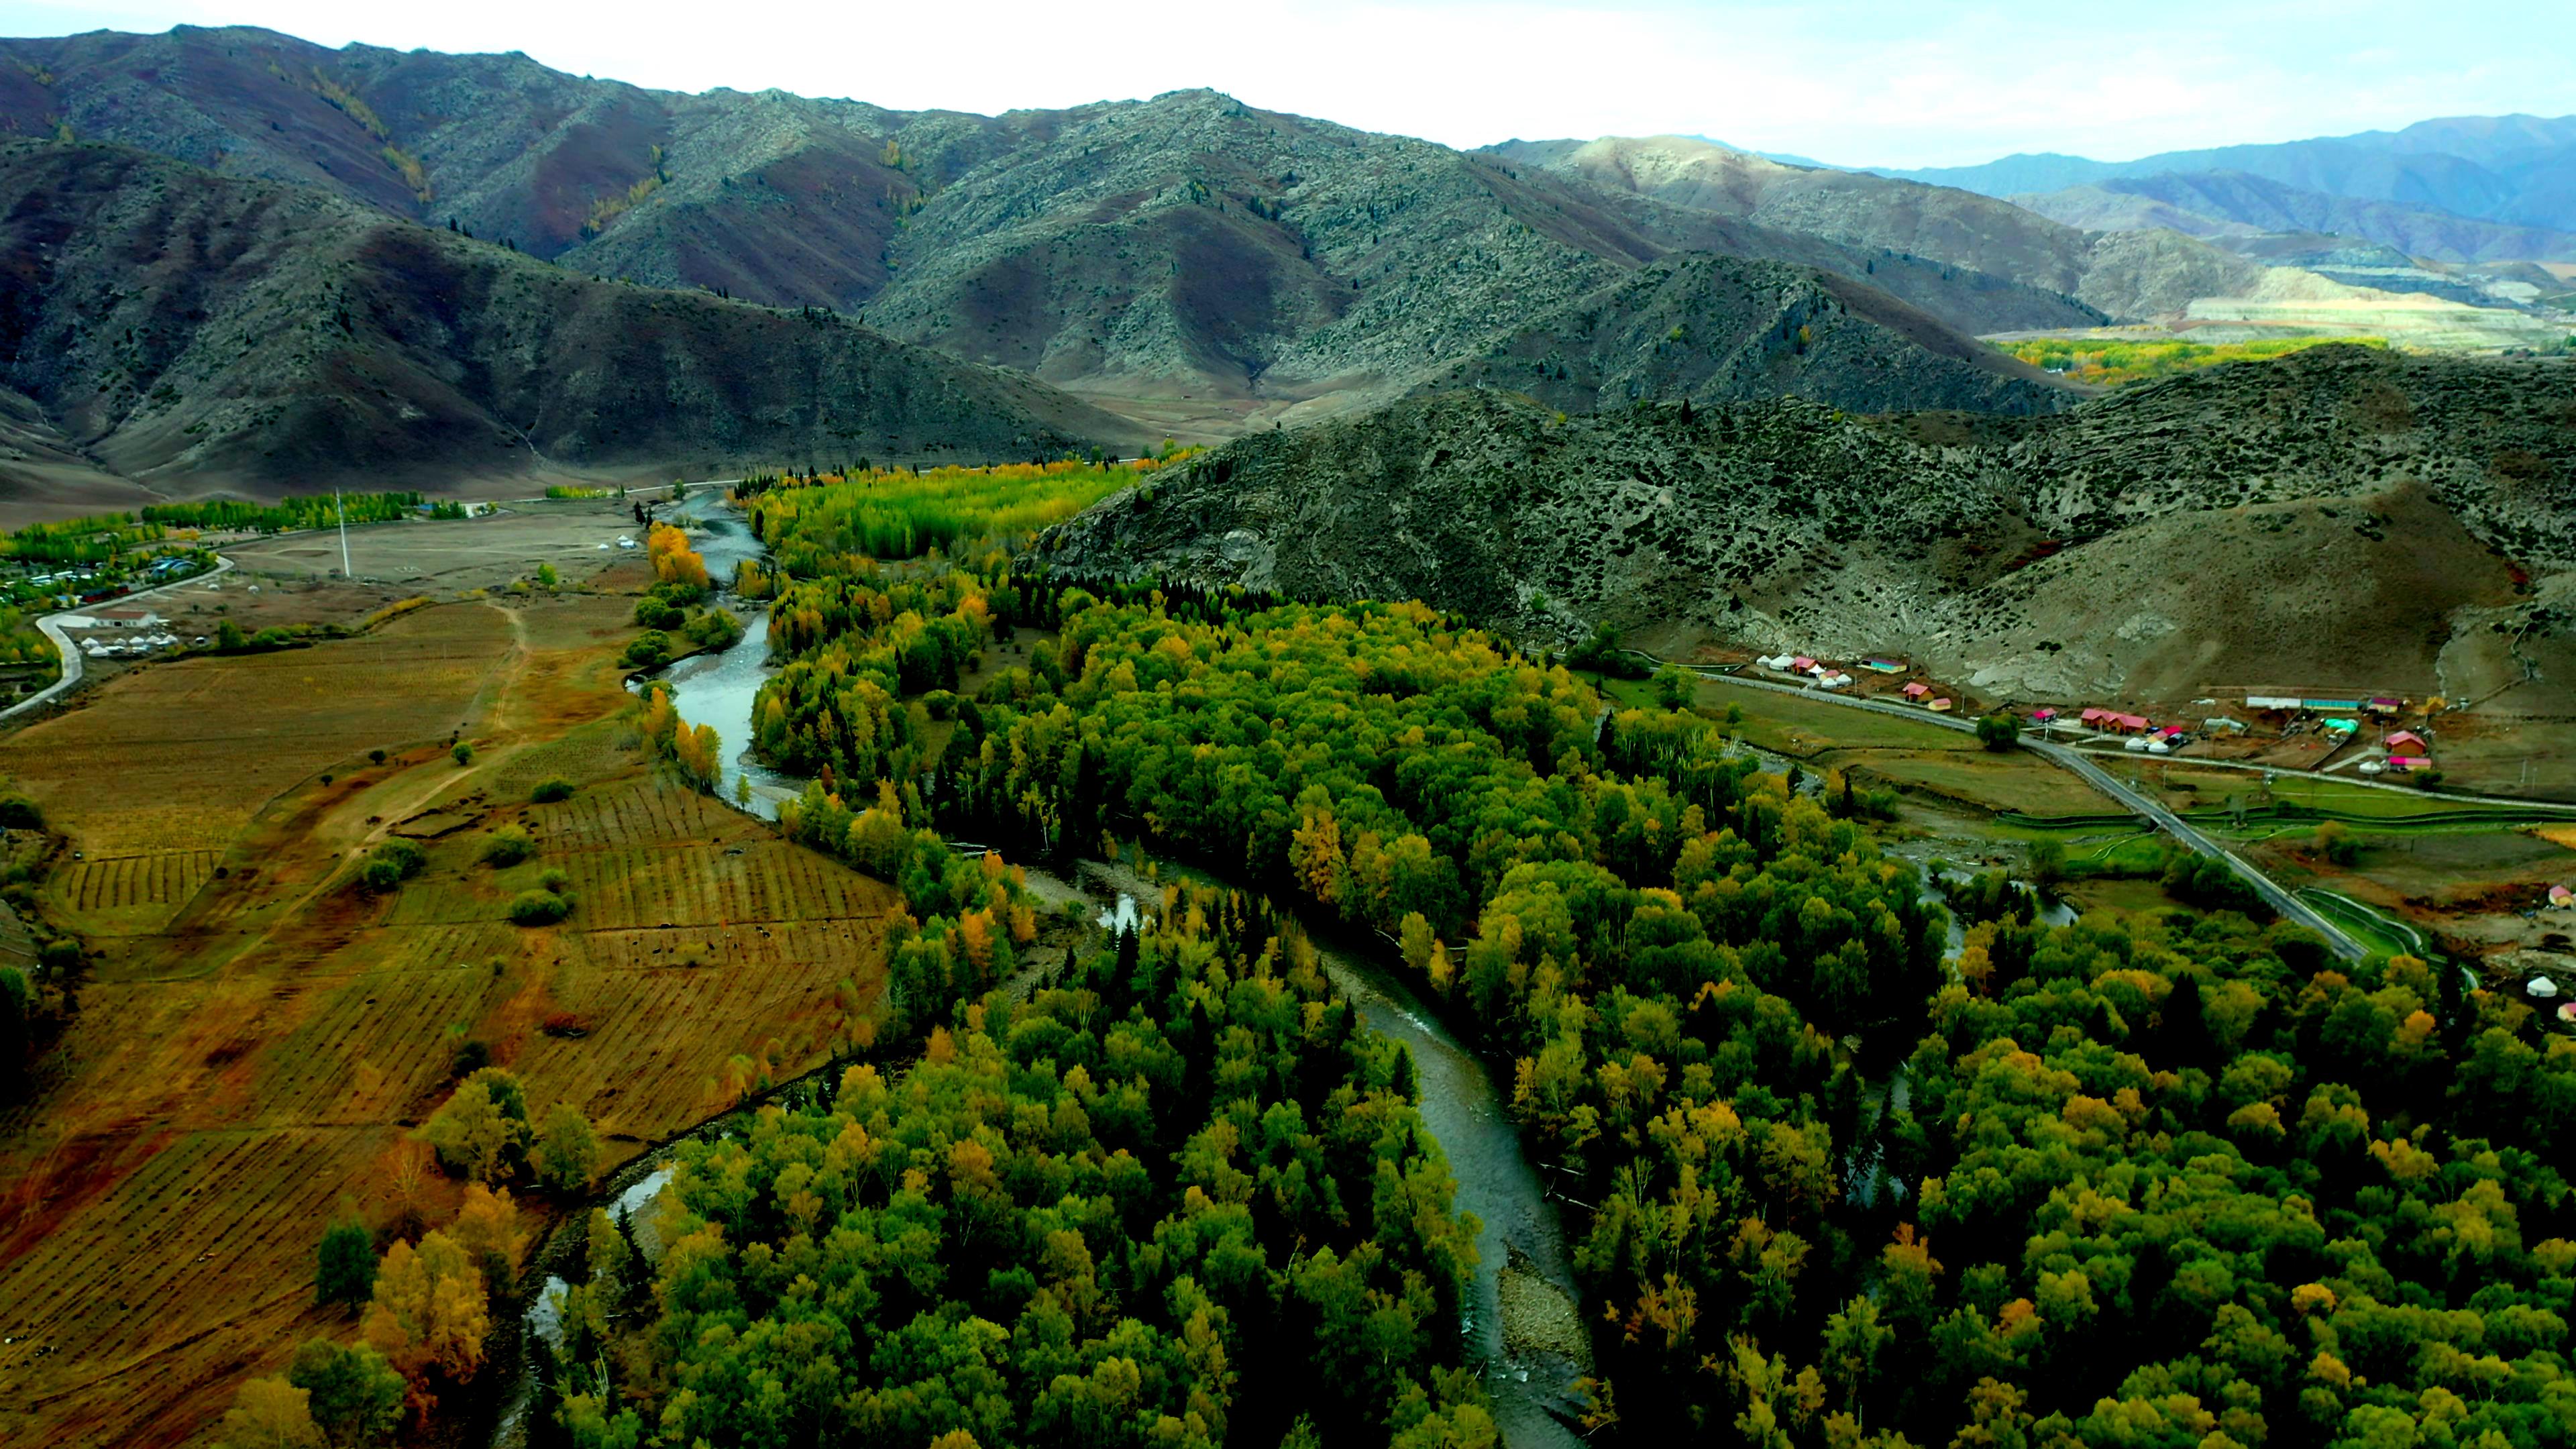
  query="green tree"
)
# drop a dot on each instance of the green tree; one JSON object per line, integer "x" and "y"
{"x": 566, "y": 1155}
{"x": 1674, "y": 686}
{"x": 2334, "y": 842}
{"x": 1998, "y": 731}
{"x": 2047, "y": 862}
{"x": 355, "y": 1397}
{"x": 481, "y": 1131}
{"x": 229, "y": 636}
{"x": 463, "y": 753}
{"x": 345, "y": 1264}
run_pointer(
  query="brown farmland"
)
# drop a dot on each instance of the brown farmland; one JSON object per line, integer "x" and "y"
{"x": 256, "y": 1038}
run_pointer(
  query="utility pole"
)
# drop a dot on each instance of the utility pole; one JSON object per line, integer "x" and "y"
{"x": 342, "y": 509}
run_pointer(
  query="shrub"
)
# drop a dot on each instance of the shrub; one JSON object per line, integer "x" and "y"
{"x": 17, "y": 812}
{"x": 539, "y": 908}
{"x": 550, "y": 791}
{"x": 679, "y": 593}
{"x": 463, "y": 752}
{"x": 649, "y": 650}
{"x": 715, "y": 629}
{"x": 389, "y": 865}
{"x": 508, "y": 846}
{"x": 552, "y": 879}
{"x": 655, "y": 612}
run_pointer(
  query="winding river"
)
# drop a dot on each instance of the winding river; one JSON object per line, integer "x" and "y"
{"x": 720, "y": 689}
{"x": 1521, "y": 1325}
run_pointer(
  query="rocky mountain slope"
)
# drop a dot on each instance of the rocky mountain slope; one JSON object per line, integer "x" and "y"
{"x": 2237, "y": 524}
{"x": 195, "y": 332}
{"x": 1715, "y": 329}
{"x": 2216, "y": 203}
{"x": 1955, "y": 227}
{"x": 1184, "y": 245}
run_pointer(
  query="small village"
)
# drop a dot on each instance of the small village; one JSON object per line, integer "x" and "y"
{"x": 2371, "y": 736}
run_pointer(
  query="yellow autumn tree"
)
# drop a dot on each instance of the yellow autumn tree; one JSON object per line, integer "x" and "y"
{"x": 674, "y": 562}
{"x": 430, "y": 1313}
{"x": 1315, "y": 853}
{"x": 271, "y": 1414}
{"x": 487, "y": 1227}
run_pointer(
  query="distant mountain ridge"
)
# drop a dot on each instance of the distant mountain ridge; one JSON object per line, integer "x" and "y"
{"x": 2223, "y": 203}
{"x": 2517, "y": 170}
{"x": 2124, "y": 276}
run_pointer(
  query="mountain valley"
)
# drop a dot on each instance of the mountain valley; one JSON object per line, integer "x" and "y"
{"x": 712, "y": 767}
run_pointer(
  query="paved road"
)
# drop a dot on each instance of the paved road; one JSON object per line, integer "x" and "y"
{"x": 2289, "y": 906}
{"x": 2417, "y": 792}
{"x": 52, "y": 626}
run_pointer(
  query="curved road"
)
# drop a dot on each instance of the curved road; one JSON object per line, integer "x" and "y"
{"x": 71, "y": 657}
{"x": 2280, "y": 900}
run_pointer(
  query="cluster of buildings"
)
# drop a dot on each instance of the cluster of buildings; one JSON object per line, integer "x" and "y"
{"x": 90, "y": 584}
{"x": 122, "y": 633}
{"x": 1825, "y": 675}
{"x": 2406, "y": 750}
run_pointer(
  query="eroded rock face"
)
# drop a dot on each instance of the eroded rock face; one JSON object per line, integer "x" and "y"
{"x": 2279, "y": 515}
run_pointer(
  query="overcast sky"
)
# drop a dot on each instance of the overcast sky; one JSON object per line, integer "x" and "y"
{"x": 1886, "y": 82}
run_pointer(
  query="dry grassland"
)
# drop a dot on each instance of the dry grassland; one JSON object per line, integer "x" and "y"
{"x": 257, "y": 1038}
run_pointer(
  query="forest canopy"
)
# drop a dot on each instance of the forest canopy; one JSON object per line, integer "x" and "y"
{"x": 2183, "y": 1179}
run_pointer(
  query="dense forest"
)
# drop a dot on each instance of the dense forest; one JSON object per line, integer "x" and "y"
{"x": 1179, "y": 1197}
{"x": 2184, "y": 1180}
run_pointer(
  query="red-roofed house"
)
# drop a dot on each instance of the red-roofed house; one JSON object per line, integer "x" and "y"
{"x": 2404, "y": 739}
{"x": 2129, "y": 724}
{"x": 1917, "y": 690}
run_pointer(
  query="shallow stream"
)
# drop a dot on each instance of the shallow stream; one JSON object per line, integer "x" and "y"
{"x": 719, "y": 690}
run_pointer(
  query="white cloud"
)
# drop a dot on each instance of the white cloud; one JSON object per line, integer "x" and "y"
{"x": 1896, "y": 82}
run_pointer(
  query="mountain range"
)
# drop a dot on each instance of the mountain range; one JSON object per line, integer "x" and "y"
{"x": 2462, "y": 189}
{"x": 1186, "y": 263}
{"x": 247, "y": 262}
